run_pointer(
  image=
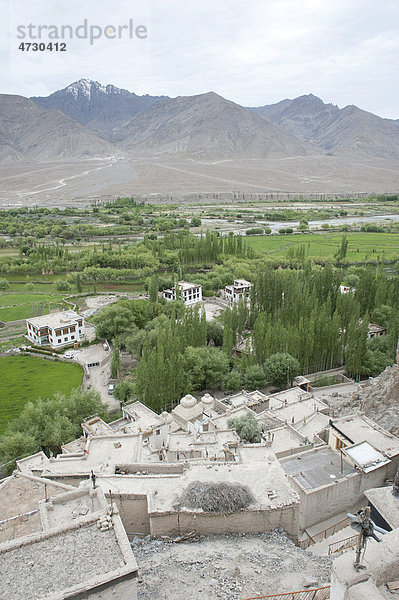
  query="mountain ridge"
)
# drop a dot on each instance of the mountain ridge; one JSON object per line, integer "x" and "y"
{"x": 30, "y": 132}
{"x": 200, "y": 126}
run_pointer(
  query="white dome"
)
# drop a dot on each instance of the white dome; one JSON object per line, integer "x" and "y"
{"x": 166, "y": 417}
{"x": 207, "y": 400}
{"x": 188, "y": 401}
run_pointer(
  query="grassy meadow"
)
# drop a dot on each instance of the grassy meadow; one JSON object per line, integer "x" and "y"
{"x": 28, "y": 378}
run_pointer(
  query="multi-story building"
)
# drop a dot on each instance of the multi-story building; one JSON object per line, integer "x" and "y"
{"x": 240, "y": 290}
{"x": 56, "y": 329}
{"x": 190, "y": 293}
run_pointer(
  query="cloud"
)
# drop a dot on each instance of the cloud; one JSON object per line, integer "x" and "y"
{"x": 254, "y": 53}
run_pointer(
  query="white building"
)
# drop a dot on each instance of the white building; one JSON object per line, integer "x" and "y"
{"x": 238, "y": 291}
{"x": 190, "y": 293}
{"x": 56, "y": 329}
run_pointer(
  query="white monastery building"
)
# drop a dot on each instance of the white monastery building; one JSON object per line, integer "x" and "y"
{"x": 239, "y": 290}
{"x": 191, "y": 293}
{"x": 56, "y": 329}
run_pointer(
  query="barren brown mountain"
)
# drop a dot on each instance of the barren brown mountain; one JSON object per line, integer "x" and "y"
{"x": 340, "y": 131}
{"x": 30, "y": 132}
{"x": 205, "y": 126}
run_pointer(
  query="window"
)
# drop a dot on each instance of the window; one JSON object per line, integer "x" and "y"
{"x": 158, "y": 432}
{"x": 59, "y": 340}
{"x": 65, "y": 339}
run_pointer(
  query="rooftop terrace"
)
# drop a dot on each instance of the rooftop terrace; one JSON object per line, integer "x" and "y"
{"x": 318, "y": 467}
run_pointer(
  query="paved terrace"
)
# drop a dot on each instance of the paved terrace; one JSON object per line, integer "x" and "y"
{"x": 316, "y": 468}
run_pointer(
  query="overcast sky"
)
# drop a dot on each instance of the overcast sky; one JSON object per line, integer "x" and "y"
{"x": 254, "y": 52}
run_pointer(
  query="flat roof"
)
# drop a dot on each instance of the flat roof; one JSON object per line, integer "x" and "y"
{"x": 57, "y": 562}
{"x": 64, "y": 508}
{"x": 164, "y": 490}
{"x": 96, "y": 426}
{"x": 300, "y": 410}
{"x": 318, "y": 467}
{"x": 385, "y": 503}
{"x": 284, "y": 438}
{"x": 55, "y": 320}
{"x": 313, "y": 425}
{"x": 291, "y": 395}
{"x": 359, "y": 428}
{"x": 269, "y": 420}
{"x": 20, "y": 495}
{"x": 366, "y": 457}
{"x": 221, "y": 421}
{"x": 103, "y": 453}
{"x": 185, "y": 285}
{"x": 242, "y": 282}
{"x": 143, "y": 417}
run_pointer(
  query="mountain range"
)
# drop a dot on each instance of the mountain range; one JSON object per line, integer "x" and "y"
{"x": 87, "y": 120}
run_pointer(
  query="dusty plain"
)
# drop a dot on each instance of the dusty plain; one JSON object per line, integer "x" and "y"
{"x": 161, "y": 178}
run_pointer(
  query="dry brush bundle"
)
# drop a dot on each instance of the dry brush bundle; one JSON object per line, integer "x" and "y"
{"x": 222, "y": 498}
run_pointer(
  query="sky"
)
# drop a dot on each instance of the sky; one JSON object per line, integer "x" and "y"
{"x": 255, "y": 52}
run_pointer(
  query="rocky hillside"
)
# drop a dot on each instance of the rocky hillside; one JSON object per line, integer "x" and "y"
{"x": 349, "y": 131}
{"x": 205, "y": 126}
{"x": 30, "y": 132}
{"x": 379, "y": 400}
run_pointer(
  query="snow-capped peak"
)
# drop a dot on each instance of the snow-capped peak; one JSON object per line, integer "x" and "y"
{"x": 85, "y": 87}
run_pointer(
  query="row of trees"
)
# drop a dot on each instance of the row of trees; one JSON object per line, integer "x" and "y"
{"x": 303, "y": 313}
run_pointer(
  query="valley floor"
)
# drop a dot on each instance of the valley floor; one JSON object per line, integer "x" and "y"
{"x": 81, "y": 182}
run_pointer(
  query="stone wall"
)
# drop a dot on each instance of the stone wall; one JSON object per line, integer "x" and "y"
{"x": 245, "y": 521}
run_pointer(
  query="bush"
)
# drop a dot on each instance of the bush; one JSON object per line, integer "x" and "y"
{"x": 285, "y": 230}
{"x": 247, "y": 428}
{"x": 254, "y": 231}
{"x": 4, "y": 285}
{"x": 61, "y": 285}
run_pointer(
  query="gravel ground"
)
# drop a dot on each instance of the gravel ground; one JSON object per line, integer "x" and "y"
{"x": 231, "y": 567}
{"x": 32, "y": 571}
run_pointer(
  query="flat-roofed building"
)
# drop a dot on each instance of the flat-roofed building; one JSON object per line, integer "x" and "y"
{"x": 56, "y": 329}
{"x": 190, "y": 293}
{"x": 240, "y": 290}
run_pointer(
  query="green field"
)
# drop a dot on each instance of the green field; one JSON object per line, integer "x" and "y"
{"x": 25, "y": 305}
{"x": 361, "y": 247}
{"x": 26, "y": 378}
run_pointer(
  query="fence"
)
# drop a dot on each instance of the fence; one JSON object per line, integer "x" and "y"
{"x": 343, "y": 544}
{"x": 322, "y": 593}
{"x": 322, "y": 535}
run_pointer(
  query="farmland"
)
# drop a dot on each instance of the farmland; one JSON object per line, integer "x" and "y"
{"x": 28, "y": 378}
{"x": 361, "y": 246}
{"x": 24, "y": 305}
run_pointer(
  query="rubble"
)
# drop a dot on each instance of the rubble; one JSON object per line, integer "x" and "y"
{"x": 226, "y": 567}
